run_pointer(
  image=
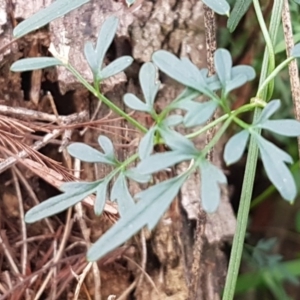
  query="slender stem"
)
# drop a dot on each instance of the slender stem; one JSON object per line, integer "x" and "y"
{"x": 120, "y": 167}
{"x": 267, "y": 68}
{"x": 265, "y": 32}
{"x": 121, "y": 113}
{"x": 240, "y": 110}
{"x": 216, "y": 137}
{"x": 128, "y": 161}
{"x": 241, "y": 123}
{"x": 263, "y": 196}
{"x": 247, "y": 189}
{"x": 274, "y": 74}
{"x": 81, "y": 79}
{"x": 106, "y": 101}
{"x": 208, "y": 126}
{"x": 242, "y": 218}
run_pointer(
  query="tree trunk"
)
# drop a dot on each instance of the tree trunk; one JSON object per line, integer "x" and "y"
{"x": 178, "y": 27}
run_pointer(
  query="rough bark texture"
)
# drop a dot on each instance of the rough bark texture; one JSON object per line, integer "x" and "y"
{"x": 174, "y": 25}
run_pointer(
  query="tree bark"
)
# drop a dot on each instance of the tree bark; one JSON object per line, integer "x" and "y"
{"x": 176, "y": 26}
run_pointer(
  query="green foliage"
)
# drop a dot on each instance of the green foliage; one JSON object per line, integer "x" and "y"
{"x": 273, "y": 158}
{"x": 55, "y": 10}
{"x": 74, "y": 192}
{"x": 152, "y": 205}
{"x": 34, "y": 63}
{"x": 210, "y": 191}
{"x": 238, "y": 11}
{"x": 95, "y": 56}
{"x": 256, "y": 279}
{"x": 89, "y": 154}
{"x": 268, "y": 270}
{"x": 150, "y": 85}
{"x": 148, "y": 206}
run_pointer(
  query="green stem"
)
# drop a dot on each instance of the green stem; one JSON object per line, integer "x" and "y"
{"x": 81, "y": 79}
{"x": 120, "y": 167}
{"x": 265, "y": 32}
{"x": 231, "y": 117}
{"x": 241, "y": 123}
{"x": 205, "y": 128}
{"x": 274, "y": 74}
{"x": 246, "y": 195}
{"x": 128, "y": 161}
{"x": 242, "y": 217}
{"x": 106, "y": 101}
{"x": 268, "y": 68}
{"x": 121, "y": 113}
{"x": 263, "y": 196}
{"x": 234, "y": 113}
{"x": 216, "y": 137}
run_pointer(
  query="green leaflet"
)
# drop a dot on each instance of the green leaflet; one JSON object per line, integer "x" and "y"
{"x": 44, "y": 16}
{"x": 239, "y": 9}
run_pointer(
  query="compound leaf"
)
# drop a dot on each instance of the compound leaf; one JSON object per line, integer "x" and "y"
{"x": 235, "y": 147}
{"x": 248, "y": 71}
{"x": 146, "y": 143}
{"x": 44, "y": 16}
{"x": 163, "y": 194}
{"x": 91, "y": 57}
{"x": 177, "y": 141}
{"x": 223, "y": 65}
{"x": 149, "y": 82}
{"x": 34, "y": 63}
{"x": 274, "y": 160}
{"x": 100, "y": 197}
{"x": 212, "y": 81}
{"x": 186, "y": 95}
{"x": 272, "y": 149}
{"x": 283, "y": 127}
{"x": 210, "y": 191}
{"x": 75, "y": 186}
{"x": 235, "y": 83}
{"x": 161, "y": 161}
{"x": 105, "y": 38}
{"x": 117, "y": 66}
{"x": 198, "y": 113}
{"x": 173, "y": 120}
{"x": 121, "y": 194}
{"x": 193, "y": 70}
{"x": 239, "y": 9}
{"x": 61, "y": 202}
{"x": 135, "y": 103}
{"x": 107, "y": 146}
{"x": 178, "y": 70}
{"x": 88, "y": 154}
{"x": 268, "y": 111}
{"x": 152, "y": 205}
{"x": 135, "y": 175}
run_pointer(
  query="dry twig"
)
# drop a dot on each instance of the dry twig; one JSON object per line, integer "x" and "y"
{"x": 293, "y": 67}
{"x": 86, "y": 235}
{"x": 22, "y": 221}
